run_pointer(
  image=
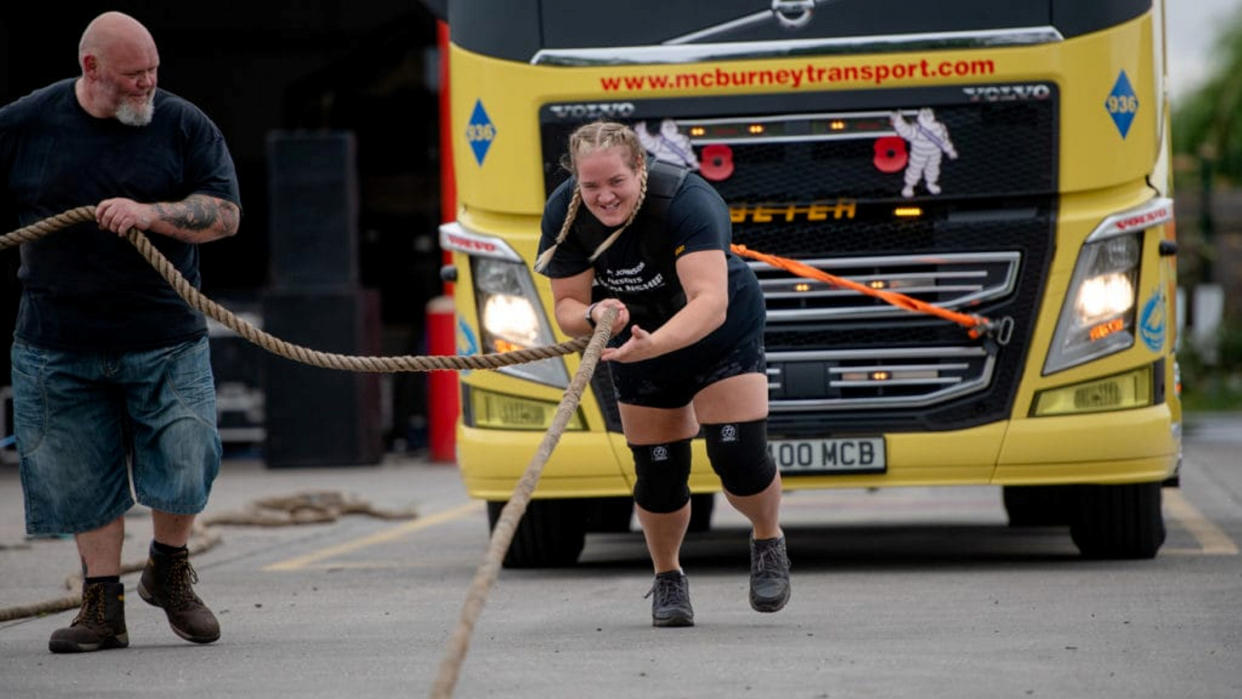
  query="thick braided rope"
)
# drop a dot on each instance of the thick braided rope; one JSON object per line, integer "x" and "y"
{"x": 273, "y": 344}
{"x": 38, "y": 229}
{"x": 506, "y": 525}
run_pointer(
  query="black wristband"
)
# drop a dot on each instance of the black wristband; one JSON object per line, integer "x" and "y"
{"x": 591, "y": 321}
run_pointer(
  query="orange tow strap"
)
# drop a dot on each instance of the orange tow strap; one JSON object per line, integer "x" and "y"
{"x": 977, "y": 325}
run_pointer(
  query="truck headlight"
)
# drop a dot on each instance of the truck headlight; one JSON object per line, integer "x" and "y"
{"x": 1097, "y": 318}
{"x": 510, "y": 318}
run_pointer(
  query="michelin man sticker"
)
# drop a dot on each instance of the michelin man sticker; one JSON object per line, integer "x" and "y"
{"x": 928, "y": 140}
{"x": 668, "y": 145}
{"x": 1151, "y": 322}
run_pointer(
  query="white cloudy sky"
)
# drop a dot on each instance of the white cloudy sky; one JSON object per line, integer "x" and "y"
{"x": 1190, "y": 31}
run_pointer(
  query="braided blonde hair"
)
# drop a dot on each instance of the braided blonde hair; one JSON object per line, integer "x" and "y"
{"x": 587, "y": 139}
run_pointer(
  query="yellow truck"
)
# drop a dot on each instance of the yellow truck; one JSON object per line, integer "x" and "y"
{"x": 1009, "y": 160}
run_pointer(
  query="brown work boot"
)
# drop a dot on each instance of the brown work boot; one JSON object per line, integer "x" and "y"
{"x": 166, "y": 582}
{"x": 100, "y": 622}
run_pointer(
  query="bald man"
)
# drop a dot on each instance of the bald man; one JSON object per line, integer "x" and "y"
{"x": 112, "y": 382}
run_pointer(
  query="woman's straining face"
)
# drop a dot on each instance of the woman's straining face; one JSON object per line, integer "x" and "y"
{"x": 609, "y": 184}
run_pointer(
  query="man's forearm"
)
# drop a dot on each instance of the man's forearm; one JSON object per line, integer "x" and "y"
{"x": 196, "y": 219}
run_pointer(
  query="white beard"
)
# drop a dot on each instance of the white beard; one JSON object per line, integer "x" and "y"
{"x": 133, "y": 113}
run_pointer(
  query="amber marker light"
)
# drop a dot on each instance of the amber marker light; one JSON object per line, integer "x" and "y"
{"x": 756, "y": 129}
{"x": 697, "y": 131}
{"x": 877, "y": 284}
{"x": 837, "y": 125}
{"x": 1103, "y": 330}
{"x": 802, "y": 287}
{"x": 506, "y": 346}
{"x": 880, "y": 376}
{"x": 908, "y": 212}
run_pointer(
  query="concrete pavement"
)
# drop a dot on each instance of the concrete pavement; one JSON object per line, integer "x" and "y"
{"x": 35, "y": 569}
{"x": 903, "y": 592}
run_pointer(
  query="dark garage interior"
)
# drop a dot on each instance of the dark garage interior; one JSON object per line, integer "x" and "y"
{"x": 358, "y": 82}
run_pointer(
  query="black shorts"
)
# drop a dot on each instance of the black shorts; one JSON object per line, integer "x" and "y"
{"x": 672, "y": 381}
{"x": 735, "y": 348}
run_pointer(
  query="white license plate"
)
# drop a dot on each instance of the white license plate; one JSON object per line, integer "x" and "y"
{"x": 841, "y": 455}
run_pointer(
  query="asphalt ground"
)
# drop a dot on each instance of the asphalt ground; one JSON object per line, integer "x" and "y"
{"x": 902, "y": 592}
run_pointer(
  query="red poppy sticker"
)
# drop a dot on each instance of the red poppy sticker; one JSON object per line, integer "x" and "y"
{"x": 890, "y": 153}
{"x": 716, "y": 162}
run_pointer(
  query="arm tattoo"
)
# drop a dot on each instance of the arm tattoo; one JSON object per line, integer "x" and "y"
{"x": 195, "y": 213}
{"x": 229, "y": 216}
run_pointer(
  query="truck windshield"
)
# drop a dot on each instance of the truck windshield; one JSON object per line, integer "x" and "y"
{"x": 520, "y": 29}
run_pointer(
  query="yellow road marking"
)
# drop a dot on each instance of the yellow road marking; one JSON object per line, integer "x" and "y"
{"x": 372, "y": 565}
{"x": 1212, "y": 540}
{"x": 396, "y": 532}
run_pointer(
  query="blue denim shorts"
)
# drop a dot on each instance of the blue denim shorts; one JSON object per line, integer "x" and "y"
{"x": 80, "y": 416}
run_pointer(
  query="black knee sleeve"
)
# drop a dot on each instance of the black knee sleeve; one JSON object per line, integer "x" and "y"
{"x": 739, "y": 455}
{"x": 663, "y": 476}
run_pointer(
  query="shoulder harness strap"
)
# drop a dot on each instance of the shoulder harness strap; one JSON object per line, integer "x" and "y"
{"x": 663, "y": 181}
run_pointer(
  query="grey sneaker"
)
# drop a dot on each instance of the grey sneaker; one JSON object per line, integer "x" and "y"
{"x": 769, "y": 574}
{"x": 671, "y": 604}
{"x": 167, "y": 582}
{"x": 100, "y": 623}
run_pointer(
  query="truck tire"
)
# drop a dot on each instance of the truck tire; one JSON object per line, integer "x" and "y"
{"x": 701, "y": 506}
{"x": 1118, "y": 521}
{"x": 550, "y": 534}
{"x": 1039, "y": 505}
{"x": 608, "y": 515}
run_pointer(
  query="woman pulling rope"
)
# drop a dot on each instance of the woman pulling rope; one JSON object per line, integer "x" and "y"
{"x": 687, "y": 348}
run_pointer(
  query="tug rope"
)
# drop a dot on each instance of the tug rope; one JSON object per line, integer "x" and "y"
{"x": 273, "y": 344}
{"x": 506, "y": 525}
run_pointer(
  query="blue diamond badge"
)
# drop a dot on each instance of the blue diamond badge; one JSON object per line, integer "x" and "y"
{"x": 1122, "y": 104}
{"x": 480, "y": 131}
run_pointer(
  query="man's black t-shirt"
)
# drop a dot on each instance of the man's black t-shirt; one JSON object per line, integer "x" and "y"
{"x": 88, "y": 289}
{"x": 696, "y": 219}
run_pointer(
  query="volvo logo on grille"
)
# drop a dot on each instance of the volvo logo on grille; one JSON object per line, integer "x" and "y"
{"x": 1007, "y": 93}
{"x": 592, "y": 111}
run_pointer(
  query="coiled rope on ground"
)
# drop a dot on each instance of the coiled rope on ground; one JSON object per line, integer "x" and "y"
{"x": 310, "y": 507}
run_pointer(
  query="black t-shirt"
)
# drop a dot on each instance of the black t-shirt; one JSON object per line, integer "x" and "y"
{"x": 88, "y": 289}
{"x": 696, "y": 219}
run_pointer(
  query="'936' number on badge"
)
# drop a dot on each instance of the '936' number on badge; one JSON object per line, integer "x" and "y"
{"x": 1121, "y": 104}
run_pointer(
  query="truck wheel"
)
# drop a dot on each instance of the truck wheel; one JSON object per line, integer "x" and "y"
{"x": 550, "y": 534}
{"x": 1118, "y": 521}
{"x": 1039, "y": 505}
{"x": 701, "y": 506}
{"x": 609, "y": 515}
